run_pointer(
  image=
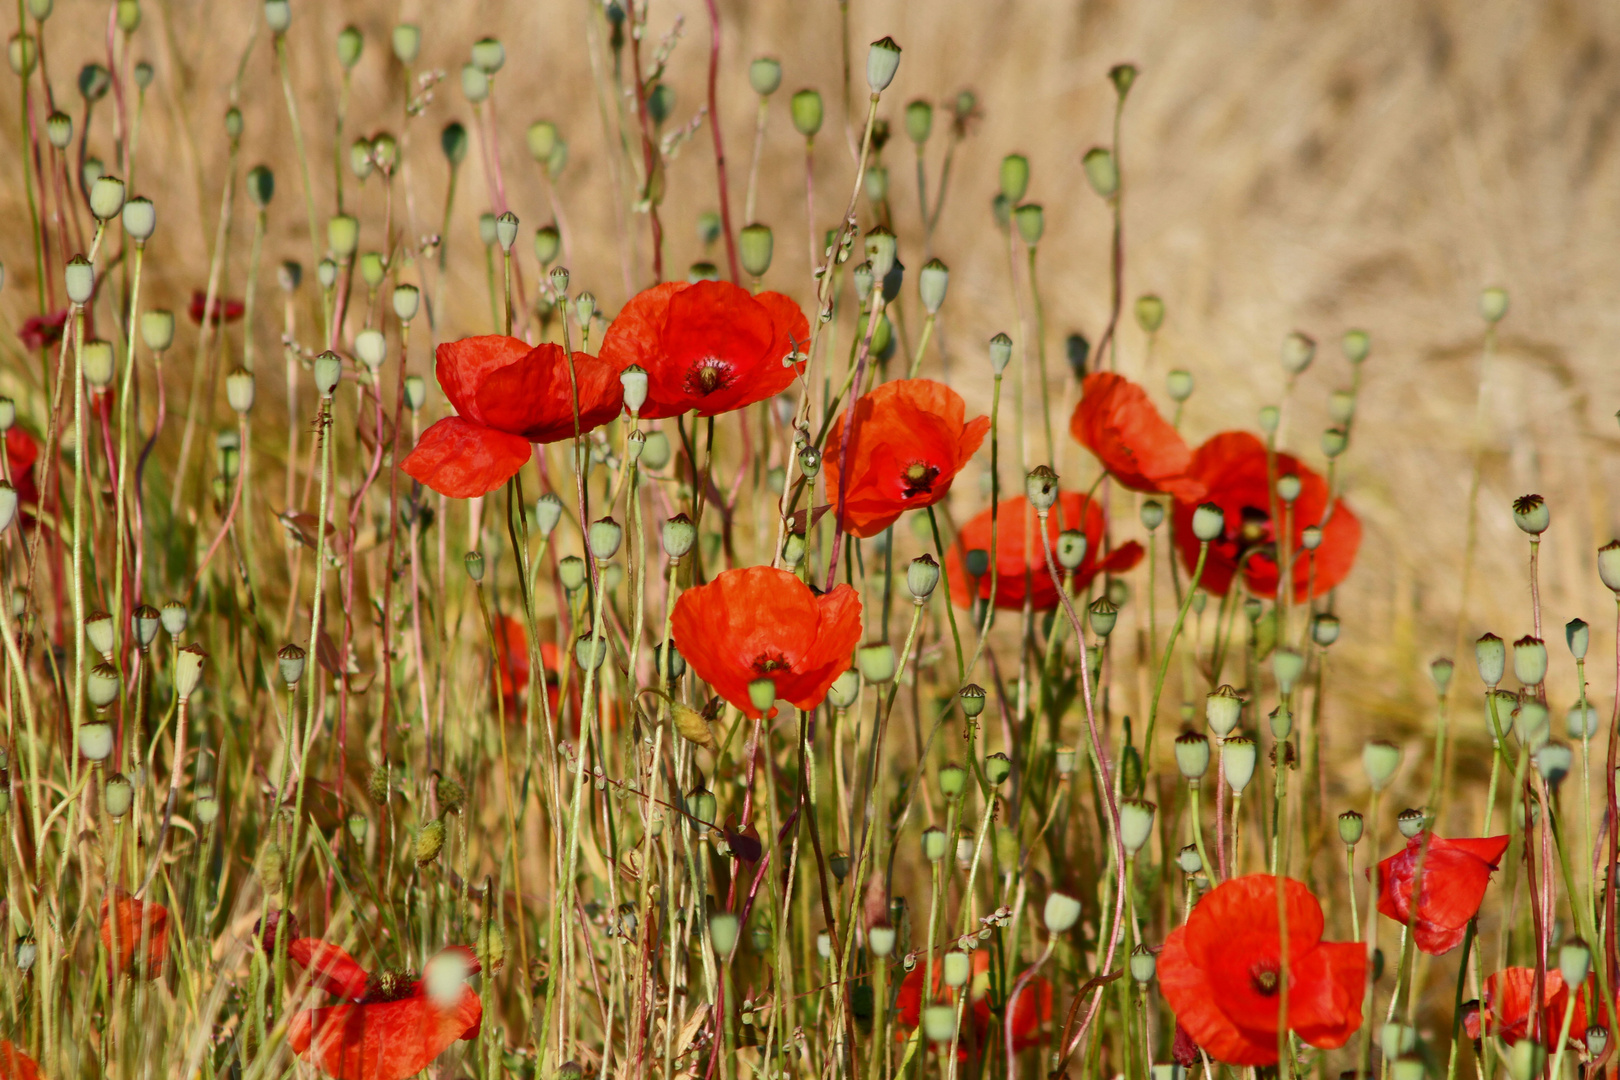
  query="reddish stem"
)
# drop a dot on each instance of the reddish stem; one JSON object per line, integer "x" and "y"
{"x": 719, "y": 143}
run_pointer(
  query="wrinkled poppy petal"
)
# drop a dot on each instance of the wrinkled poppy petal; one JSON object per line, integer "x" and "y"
{"x": 461, "y": 367}
{"x": 1120, "y": 426}
{"x": 1015, "y": 519}
{"x": 135, "y": 919}
{"x": 329, "y": 966}
{"x": 534, "y": 397}
{"x": 463, "y": 460}
{"x": 1455, "y": 875}
{"x": 383, "y": 1040}
{"x": 1506, "y": 1007}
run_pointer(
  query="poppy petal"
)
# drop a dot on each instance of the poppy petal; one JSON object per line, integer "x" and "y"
{"x": 16, "y": 1065}
{"x": 462, "y": 366}
{"x": 534, "y": 396}
{"x": 329, "y": 966}
{"x": 383, "y": 1040}
{"x": 1115, "y": 421}
{"x": 463, "y": 460}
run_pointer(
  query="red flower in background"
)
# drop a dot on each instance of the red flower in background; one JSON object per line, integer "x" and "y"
{"x": 1117, "y": 423}
{"x": 911, "y": 439}
{"x": 512, "y": 674}
{"x": 1033, "y": 1009}
{"x": 233, "y": 309}
{"x": 21, "y": 454}
{"x": 16, "y": 1065}
{"x": 134, "y": 918}
{"x": 1506, "y": 1011}
{"x": 394, "y": 1025}
{"x": 1455, "y": 874}
{"x": 1015, "y": 577}
{"x": 1220, "y": 972}
{"x": 709, "y": 346}
{"x": 43, "y": 331}
{"x": 1232, "y": 466}
{"x": 508, "y": 394}
{"x": 762, "y": 623}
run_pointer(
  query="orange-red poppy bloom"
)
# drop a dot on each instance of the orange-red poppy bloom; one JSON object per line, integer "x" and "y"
{"x": 1032, "y": 1010}
{"x": 1455, "y": 874}
{"x": 1232, "y": 467}
{"x": 1015, "y": 577}
{"x": 1221, "y": 972}
{"x": 1117, "y": 423}
{"x": 1506, "y": 1010}
{"x": 708, "y": 345}
{"x": 392, "y": 1025}
{"x": 232, "y": 309}
{"x": 42, "y": 331}
{"x": 16, "y": 1065}
{"x": 762, "y": 623}
{"x": 911, "y": 439}
{"x": 507, "y": 395}
{"x": 21, "y": 454}
{"x": 134, "y": 919}
{"x": 512, "y": 674}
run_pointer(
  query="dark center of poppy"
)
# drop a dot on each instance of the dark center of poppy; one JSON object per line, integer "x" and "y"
{"x": 1264, "y": 977}
{"x": 709, "y": 375}
{"x": 1255, "y": 526}
{"x": 918, "y": 479}
{"x": 389, "y": 986}
{"x": 770, "y": 663}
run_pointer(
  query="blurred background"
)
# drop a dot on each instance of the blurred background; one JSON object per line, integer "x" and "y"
{"x": 1312, "y": 165}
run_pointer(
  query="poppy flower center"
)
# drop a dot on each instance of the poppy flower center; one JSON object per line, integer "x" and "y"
{"x": 389, "y": 986}
{"x": 770, "y": 663}
{"x": 918, "y": 479}
{"x": 709, "y": 375}
{"x": 1264, "y": 977}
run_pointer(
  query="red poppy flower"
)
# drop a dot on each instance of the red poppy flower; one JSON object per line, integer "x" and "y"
{"x": 1455, "y": 874}
{"x": 708, "y": 345}
{"x": 910, "y": 442}
{"x": 1014, "y": 576}
{"x": 233, "y": 309}
{"x": 1232, "y": 466}
{"x": 1506, "y": 1008}
{"x": 394, "y": 1024}
{"x": 1033, "y": 1010}
{"x": 135, "y": 918}
{"x": 43, "y": 331}
{"x": 1220, "y": 971}
{"x": 16, "y": 1065}
{"x": 1116, "y": 422}
{"x": 512, "y": 676}
{"x": 508, "y": 395}
{"x": 761, "y": 623}
{"x": 21, "y": 454}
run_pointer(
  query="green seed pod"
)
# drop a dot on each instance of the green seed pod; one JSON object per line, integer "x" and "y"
{"x": 1334, "y": 442}
{"x": 1192, "y": 754}
{"x": 701, "y": 804}
{"x": 881, "y": 939}
{"x": 1014, "y": 178}
{"x": 1490, "y": 654}
{"x": 957, "y": 968}
{"x": 290, "y": 664}
{"x": 1238, "y": 757}
{"x": 1101, "y": 171}
{"x": 1189, "y": 861}
{"x": 724, "y": 929}
{"x": 453, "y": 142}
{"x": 1553, "y": 762}
{"x": 952, "y": 779}
{"x": 1123, "y": 76}
{"x": 101, "y": 684}
{"x": 80, "y": 278}
{"x": 1530, "y": 514}
{"x": 939, "y": 1025}
{"x": 660, "y": 102}
{"x": 326, "y": 272}
{"x": 343, "y": 235}
{"x": 1493, "y": 305}
{"x": 1041, "y": 488}
{"x": 277, "y": 16}
{"x": 328, "y": 371}
{"x": 188, "y": 670}
{"x": 922, "y": 575}
{"x": 1102, "y": 616}
{"x": 1143, "y": 965}
{"x": 1298, "y": 350}
{"x": 876, "y": 662}
{"x": 473, "y": 562}
{"x": 407, "y": 41}
{"x": 1062, "y": 911}
{"x": 1287, "y": 666}
{"x": 1135, "y": 824}
{"x": 1324, "y": 628}
{"x": 97, "y": 359}
{"x": 474, "y": 83}
{"x": 239, "y": 390}
{"x": 429, "y": 842}
{"x": 765, "y": 75}
{"x": 1608, "y": 563}
{"x": 1351, "y": 826}
{"x": 119, "y": 796}
{"x": 1581, "y": 722}
{"x": 1270, "y": 417}
{"x": 845, "y": 688}
{"x": 1149, "y": 313}
{"x": 1222, "y": 709}
{"x": 679, "y": 536}
{"x": 1529, "y": 660}
{"x": 350, "y": 42}
{"x": 1379, "y": 760}
{"x": 407, "y": 300}
{"x": 489, "y": 55}
{"x": 882, "y": 61}
{"x": 506, "y": 230}
{"x": 755, "y": 245}
{"x": 547, "y": 244}
{"x": 1179, "y": 385}
{"x": 997, "y": 767}
{"x": 1578, "y": 635}
{"x": 59, "y": 129}
{"x": 934, "y": 843}
{"x": 805, "y": 108}
{"x": 1208, "y": 522}
{"x": 144, "y": 621}
{"x": 174, "y": 617}
{"x": 1031, "y": 221}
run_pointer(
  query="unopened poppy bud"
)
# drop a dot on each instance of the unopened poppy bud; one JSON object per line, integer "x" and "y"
{"x": 1553, "y": 762}
{"x": 1135, "y": 824}
{"x": 1222, "y": 709}
{"x": 98, "y": 628}
{"x": 290, "y": 664}
{"x": 1071, "y": 548}
{"x": 997, "y": 767}
{"x": 1041, "y": 488}
{"x": 845, "y": 689}
{"x": 880, "y": 252}
{"x": 1490, "y": 655}
{"x": 1192, "y": 755}
{"x": 1238, "y": 757}
{"x": 934, "y": 843}
{"x": 1103, "y": 616}
{"x": 429, "y": 842}
{"x": 977, "y": 562}
{"x": 876, "y": 661}
{"x": 140, "y": 219}
{"x": 188, "y": 669}
{"x": 1578, "y": 635}
{"x": 1324, "y": 628}
{"x": 1101, "y": 171}
{"x": 80, "y": 278}
{"x": 881, "y": 939}
{"x": 1031, "y": 221}
{"x": 1493, "y": 305}
{"x": 1269, "y": 419}
{"x": 145, "y": 620}
{"x": 1014, "y": 178}
{"x": 174, "y": 617}
{"x": 1287, "y": 666}
{"x": 1152, "y": 516}
{"x": 1062, "y": 911}
{"x": 931, "y": 284}
{"x": 1411, "y": 822}
{"x": 343, "y": 235}
{"x": 1500, "y": 705}
{"x": 1530, "y": 514}
{"x": 239, "y": 391}
{"x": 1379, "y": 760}
{"x": 805, "y": 108}
{"x": 882, "y": 61}
{"x": 765, "y": 75}
{"x": 958, "y": 968}
{"x": 1351, "y": 826}
{"x": 1149, "y": 313}
{"x": 1529, "y": 660}
{"x": 952, "y": 779}
{"x": 1208, "y": 522}
{"x": 474, "y": 563}
{"x": 679, "y": 536}
{"x": 922, "y": 575}
{"x": 1526, "y": 1059}
{"x": 101, "y": 685}
{"x": 372, "y": 268}
{"x": 1143, "y": 965}
{"x": 939, "y": 1024}
{"x": 1001, "y": 355}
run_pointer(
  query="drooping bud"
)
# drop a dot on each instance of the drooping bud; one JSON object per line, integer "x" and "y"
{"x": 429, "y": 842}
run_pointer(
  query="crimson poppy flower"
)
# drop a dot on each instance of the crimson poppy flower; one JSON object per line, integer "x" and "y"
{"x": 1232, "y": 467}
{"x": 43, "y": 331}
{"x": 762, "y": 623}
{"x": 21, "y": 454}
{"x": 1015, "y": 577}
{"x": 393, "y": 1025}
{"x": 1220, "y": 972}
{"x": 1117, "y": 423}
{"x": 16, "y": 1065}
{"x": 135, "y": 918}
{"x": 1505, "y": 1011}
{"x": 1455, "y": 874}
{"x": 512, "y": 673}
{"x": 707, "y": 345}
{"x": 910, "y": 442}
{"x": 507, "y": 395}
{"x": 233, "y": 309}
{"x": 1033, "y": 1010}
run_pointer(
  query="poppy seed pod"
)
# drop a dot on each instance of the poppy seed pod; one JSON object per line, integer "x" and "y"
{"x": 1553, "y": 762}
{"x": 1031, "y": 221}
{"x": 106, "y": 197}
{"x": 1530, "y": 723}
{"x": 97, "y": 358}
{"x": 1208, "y": 522}
{"x": 972, "y": 699}
{"x": 1001, "y": 355}
{"x": 506, "y": 231}
{"x": 1178, "y": 384}
{"x": 101, "y": 685}
{"x": 882, "y": 61}
{"x": 1493, "y": 304}
{"x": 1298, "y": 350}
{"x": 1149, "y": 313}
{"x": 407, "y": 301}
{"x": 1041, "y": 488}
{"x": 1071, "y": 548}
{"x": 655, "y": 455}
{"x": 1500, "y": 706}
{"x": 765, "y": 75}
{"x": 174, "y": 617}
{"x": 1192, "y": 755}
{"x": 939, "y": 1023}
{"x": 1103, "y": 616}
{"x": 1288, "y": 487}
{"x": 118, "y": 796}
{"x": 343, "y": 234}
{"x": 724, "y": 929}
{"x": 188, "y": 670}
{"x": 1608, "y": 562}
{"x": 407, "y": 42}
{"x": 1061, "y": 912}
{"x": 98, "y": 628}
{"x": 1530, "y": 514}
{"x": 1411, "y": 822}
{"x": 1581, "y": 722}
{"x": 1574, "y": 961}
{"x": 584, "y": 308}
{"x": 1341, "y": 406}
{"x": 922, "y": 575}
{"x": 997, "y": 767}
{"x": 1135, "y": 824}
{"x": 277, "y": 16}
{"x": 957, "y": 968}
{"x": 1324, "y": 628}
{"x": 140, "y": 219}
{"x": 931, "y": 284}
{"x": 755, "y": 246}
{"x": 1222, "y": 709}
{"x": 1238, "y": 757}
{"x": 1270, "y": 417}
{"x": 810, "y": 461}
{"x": 762, "y": 694}
{"x": 239, "y": 390}
{"x": 845, "y": 689}
{"x": 326, "y": 272}
{"x": 1287, "y": 666}
{"x": 95, "y": 742}
{"x": 679, "y": 536}
{"x": 559, "y": 280}
{"x": 474, "y": 83}
{"x": 1143, "y": 965}
{"x": 1101, "y": 171}
{"x": 1379, "y": 760}
{"x": 1529, "y": 660}
{"x": 328, "y": 369}
{"x": 1440, "y": 672}
{"x": 876, "y": 662}
{"x": 1490, "y": 655}
{"x": 1334, "y": 442}
{"x": 1356, "y": 344}
{"x": 934, "y": 843}
{"x": 1064, "y": 759}
{"x": 1597, "y": 1040}
{"x": 1189, "y": 860}
{"x": 290, "y": 664}
{"x": 372, "y": 268}
{"x": 1351, "y": 826}
{"x": 145, "y": 622}
{"x": 80, "y": 278}
{"x": 349, "y": 45}
{"x": 489, "y": 54}
{"x": 634, "y": 381}
{"x": 880, "y": 246}
{"x": 361, "y": 163}
{"x": 1014, "y": 178}
{"x": 590, "y": 652}
{"x": 805, "y": 109}
{"x": 1281, "y": 722}
{"x": 473, "y": 563}
{"x": 1578, "y": 636}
